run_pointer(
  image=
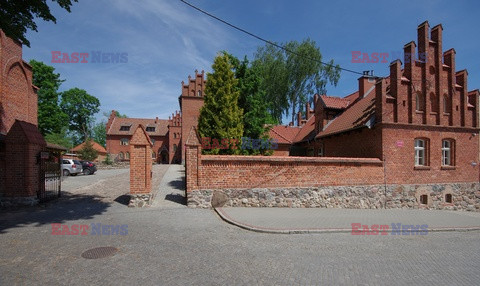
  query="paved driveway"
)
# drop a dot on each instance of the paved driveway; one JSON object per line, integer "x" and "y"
{"x": 180, "y": 246}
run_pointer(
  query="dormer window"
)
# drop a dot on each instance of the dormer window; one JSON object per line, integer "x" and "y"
{"x": 150, "y": 129}
{"x": 125, "y": 128}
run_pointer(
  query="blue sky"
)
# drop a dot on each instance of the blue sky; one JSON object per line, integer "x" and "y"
{"x": 166, "y": 41}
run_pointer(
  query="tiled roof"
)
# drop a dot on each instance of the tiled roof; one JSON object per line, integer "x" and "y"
{"x": 357, "y": 116}
{"x": 284, "y": 134}
{"x": 161, "y": 127}
{"x": 307, "y": 132}
{"x": 335, "y": 102}
{"x": 95, "y": 145}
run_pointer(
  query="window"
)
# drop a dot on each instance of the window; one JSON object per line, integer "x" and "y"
{"x": 124, "y": 128}
{"x": 120, "y": 156}
{"x": 448, "y": 198}
{"x": 153, "y": 141}
{"x": 446, "y": 104}
{"x": 174, "y": 148}
{"x": 447, "y": 154}
{"x": 150, "y": 129}
{"x": 127, "y": 155}
{"x": 199, "y": 93}
{"x": 174, "y": 135}
{"x": 419, "y": 102}
{"x": 124, "y": 141}
{"x": 420, "y": 152}
{"x": 424, "y": 199}
{"x": 154, "y": 155}
{"x": 320, "y": 151}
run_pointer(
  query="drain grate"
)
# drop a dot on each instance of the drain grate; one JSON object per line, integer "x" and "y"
{"x": 99, "y": 252}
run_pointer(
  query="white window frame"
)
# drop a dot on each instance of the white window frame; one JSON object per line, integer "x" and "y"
{"x": 124, "y": 141}
{"x": 446, "y": 152}
{"x": 420, "y": 152}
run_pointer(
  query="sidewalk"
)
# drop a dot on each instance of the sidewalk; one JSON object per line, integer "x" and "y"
{"x": 320, "y": 220}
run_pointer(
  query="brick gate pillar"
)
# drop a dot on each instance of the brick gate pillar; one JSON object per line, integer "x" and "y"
{"x": 23, "y": 145}
{"x": 140, "y": 169}
{"x": 193, "y": 155}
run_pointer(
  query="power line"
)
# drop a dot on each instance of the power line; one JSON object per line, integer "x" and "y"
{"x": 265, "y": 40}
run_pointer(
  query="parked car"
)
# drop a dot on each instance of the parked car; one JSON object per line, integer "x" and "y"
{"x": 71, "y": 167}
{"x": 89, "y": 168}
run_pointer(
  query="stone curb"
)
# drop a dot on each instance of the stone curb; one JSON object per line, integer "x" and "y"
{"x": 249, "y": 227}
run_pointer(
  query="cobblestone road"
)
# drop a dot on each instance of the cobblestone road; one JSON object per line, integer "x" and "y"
{"x": 179, "y": 246}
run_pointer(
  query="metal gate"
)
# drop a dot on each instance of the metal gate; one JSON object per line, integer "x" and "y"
{"x": 50, "y": 178}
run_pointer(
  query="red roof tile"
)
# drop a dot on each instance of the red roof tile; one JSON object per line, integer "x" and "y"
{"x": 284, "y": 134}
{"x": 307, "y": 132}
{"x": 335, "y": 102}
{"x": 100, "y": 149}
{"x": 161, "y": 126}
{"x": 357, "y": 116}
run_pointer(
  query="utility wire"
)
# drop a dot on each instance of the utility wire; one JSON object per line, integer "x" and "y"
{"x": 265, "y": 40}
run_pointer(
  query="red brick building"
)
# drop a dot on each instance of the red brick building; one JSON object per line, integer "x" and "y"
{"x": 421, "y": 120}
{"x": 21, "y": 144}
{"x": 166, "y": 135}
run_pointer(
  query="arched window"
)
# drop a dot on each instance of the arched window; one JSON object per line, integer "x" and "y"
{"x": 121, "y": 156}
{"x": 199, "y": 93}
{"x": 127, "y": 155}
{"x": 174, "y": 135}
{"x": 174, "y": 148}
{"x": 419, "y": 104}
{"x": 124, "y": 141}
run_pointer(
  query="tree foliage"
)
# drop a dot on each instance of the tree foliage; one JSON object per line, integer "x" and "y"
{"x": 289, "y": 78}
{"x": 51, "y": 119}
{"x": 61, "y": 138}
{"x": 87, "y": 152}
{"x": 99, "y": 133}
{"x": 16, "y": 17}
{"x": 220, "y": 116}
{"x": 80, "y": 108}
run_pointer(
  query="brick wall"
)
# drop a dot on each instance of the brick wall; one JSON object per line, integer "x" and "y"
{"x": 18, "y": 98}
{"x": 400, "y": 161}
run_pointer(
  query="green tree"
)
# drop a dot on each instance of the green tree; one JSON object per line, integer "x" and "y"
{"x": 87, "y": 152}
{"x": 220, "y": 117}
{"x": 80, "y": 108}
{"x": 18, "y": 16}
{"x": 61, "y": 138}
{"x": 99, "y": 131}
{"x": 51, "y": 119}
{"x": 290, "y": 77}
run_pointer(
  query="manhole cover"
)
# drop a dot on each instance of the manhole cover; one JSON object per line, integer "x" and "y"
{"x": 99, "y": 252}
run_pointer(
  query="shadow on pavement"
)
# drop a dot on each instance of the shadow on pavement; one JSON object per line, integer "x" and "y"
{"x": 176, "y": 198}
{"x": 69, "y": 207}
{"x": 123, "y": 199}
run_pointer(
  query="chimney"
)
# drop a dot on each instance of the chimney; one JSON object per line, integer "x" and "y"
{"x": 299, "y": 118}
{"x": 308, "y": 112}
{"x": 290, "y": 124}
{"x": 365, "y": 82}
{"x": 156, "y": 120}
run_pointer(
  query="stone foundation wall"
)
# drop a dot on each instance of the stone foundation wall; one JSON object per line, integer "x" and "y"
{"x": 464, "y": 196}
{"x": 141, "y": 200}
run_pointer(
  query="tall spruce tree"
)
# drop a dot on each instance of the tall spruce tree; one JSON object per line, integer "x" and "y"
{"x": 220, "y": 117}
